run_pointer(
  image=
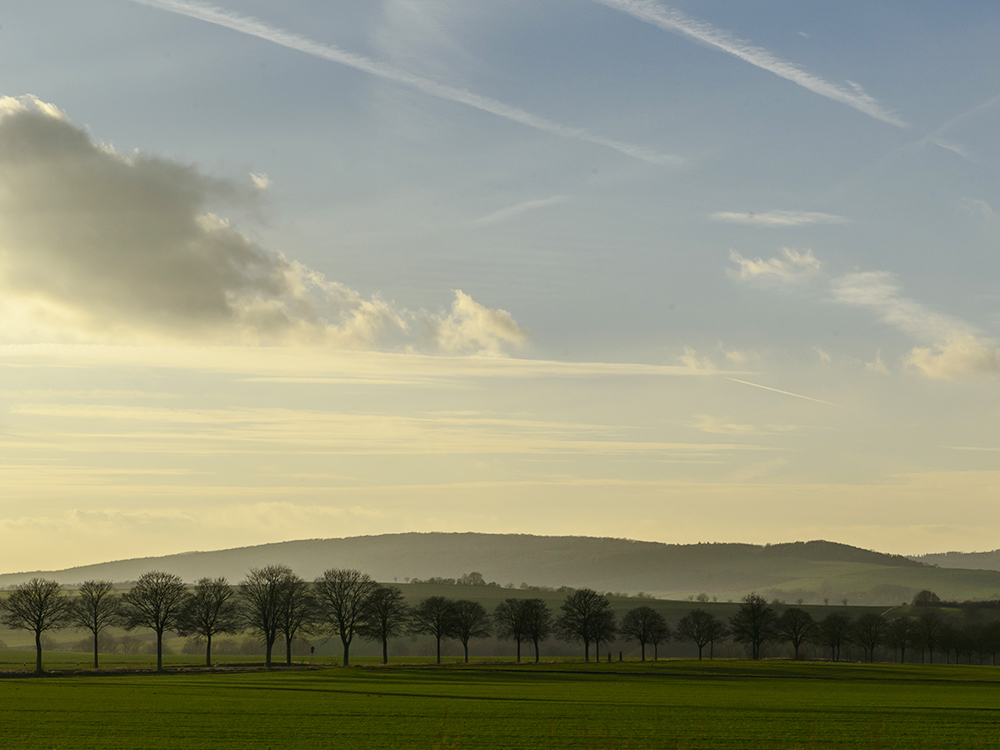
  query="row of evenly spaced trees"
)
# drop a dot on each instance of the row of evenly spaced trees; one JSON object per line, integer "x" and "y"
{"x": 273, "y": 602}
{"x": 757, "y": 623}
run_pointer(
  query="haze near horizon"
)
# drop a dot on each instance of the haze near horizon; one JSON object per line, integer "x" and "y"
{"x": 674, "y": 272}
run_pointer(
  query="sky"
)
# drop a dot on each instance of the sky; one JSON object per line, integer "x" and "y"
{"x": 688, "y": 272}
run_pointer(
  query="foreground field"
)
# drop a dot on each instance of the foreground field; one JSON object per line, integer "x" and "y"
{"x": 662, "y": 705}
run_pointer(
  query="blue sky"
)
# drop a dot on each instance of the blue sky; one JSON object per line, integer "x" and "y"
{"x": 683, "y": 272}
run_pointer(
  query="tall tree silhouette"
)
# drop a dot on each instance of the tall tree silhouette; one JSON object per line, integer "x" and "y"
{"x": 156, "y": 602}
{"x": 586, "y": 618}
{"x": 37, "y": 605}
{"x": 754, "y": 624}
{"x": 96, "y": 608}
{"x": 344, "y": 596}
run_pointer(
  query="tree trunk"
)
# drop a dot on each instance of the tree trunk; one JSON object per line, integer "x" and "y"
{"x": 347, "y": 652}
{"x": 267, "y": 653}
{"x": 95, "y": 650}
{"x": 465, "y": 645}
{"x": 385, "y": 650}
{"x": 701, "y": 646}
{"x": 536, "y": 651}
{"x": 38, "y": 651}
{"x": 208, "y": 651}
{"x": 597, "y": 652}
{"x": 642, "y": 645}
{"x": 586, "y": 650}
{"x": 288, "y": 651}
{"x": 159, "y": 650}
{"x": 518, "y": 650}
{"x": 656, "y": 651}
{"x": 438, "y": 648}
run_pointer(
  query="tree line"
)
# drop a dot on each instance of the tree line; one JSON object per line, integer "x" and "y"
{"x": 274, "y": 603}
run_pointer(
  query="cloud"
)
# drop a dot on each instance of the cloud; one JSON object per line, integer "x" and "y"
{"x": 692, "y": 361}
{"x": 958, "y": 356}
{"x": 260, "y": 29}
{"x": 955, "y": 148}
{"x": 877, "y": 366}
{"x": 878, "y": 291}
{"x": 260, "y": 180}
{"x": 717, "y": 426}
{"x": 98, "y": 246}
{"x": 737, "y": 357}
{"x": 978, "y": 209}
{"x": 824, "y": 356}
{"x": 670, "y": 19}
{"x": 794, "y": 268}
{"x": 470, "y": 327}
{"x": 779, "y": 218}
{"x": 511, "y": 211}
{"x": 957, "y": 348}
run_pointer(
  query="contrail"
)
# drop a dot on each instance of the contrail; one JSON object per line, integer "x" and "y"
{"x": 673, "y": 20}
{"x": 258, "y": 28}
{"x": 787, "y": 393}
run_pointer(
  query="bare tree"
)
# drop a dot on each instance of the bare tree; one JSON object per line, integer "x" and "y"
{"x": 640, "y": 624}
{"x": 433, "y": 616}
{"x": 96, "y": 608}
{"x": 899, "y": 634}
{"x": 930, "y": 630}
{"x": 37, "y": 605}
{"x": 700, "y": 628}
{"x": 754, "y": 624}
{"x": 586, "y": 618}
{"x": 470, "y": 620}
{"x": 387, "y": 618}
{"x": 297, "y": 612}
{"x": 659, "y": 634}
{"x": 260, "y": 603}
{"x": 343, "y": 596}
{"x": 868, "y": 633}
{"x": 537, "y": 622}
{"x": 833, "y": 632}
{"x": 796, "y": 626}
{"x": 155, "y": 602}
{"x": 510, "y": 619}
{"x": 210, "y": 610}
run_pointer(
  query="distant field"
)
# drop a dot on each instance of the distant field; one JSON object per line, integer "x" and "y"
{"x": 678, "y": 704}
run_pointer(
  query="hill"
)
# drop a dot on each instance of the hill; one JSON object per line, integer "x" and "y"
{"x": 814, "y": 571}
{"x": 971, "y": 560}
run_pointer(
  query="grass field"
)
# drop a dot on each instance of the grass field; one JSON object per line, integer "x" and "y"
{"x": 677, "y": 704}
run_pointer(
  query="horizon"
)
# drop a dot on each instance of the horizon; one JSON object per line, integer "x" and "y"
{"x": 664, "y": 271}
{"x": 485, "y": 533}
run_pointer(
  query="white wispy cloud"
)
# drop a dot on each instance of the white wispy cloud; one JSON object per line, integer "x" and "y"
{"x": 878, "y": 291}
{"x": 519, "y": 208}
{"x": 955, "y": 148}
{"x": 472, "y": 328}
{"x": 255, "y": 27}
{"x": 98, "y": 246}
{"x": 957, "y": 348}
{"x": 956, "y": 357}
{"x": 696, "y": 363}
{"x": 671, "y": 19}
{"x": 260, "y": 180}
{"x": 823, "y": 355}
{"x": 877, "y": 365}
{"x": 795, "y": 267}
{"x": 977, "y": 208}
{"x": 778, "y": 218}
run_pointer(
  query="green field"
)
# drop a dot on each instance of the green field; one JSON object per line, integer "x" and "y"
{"x": 677, "y": 704}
